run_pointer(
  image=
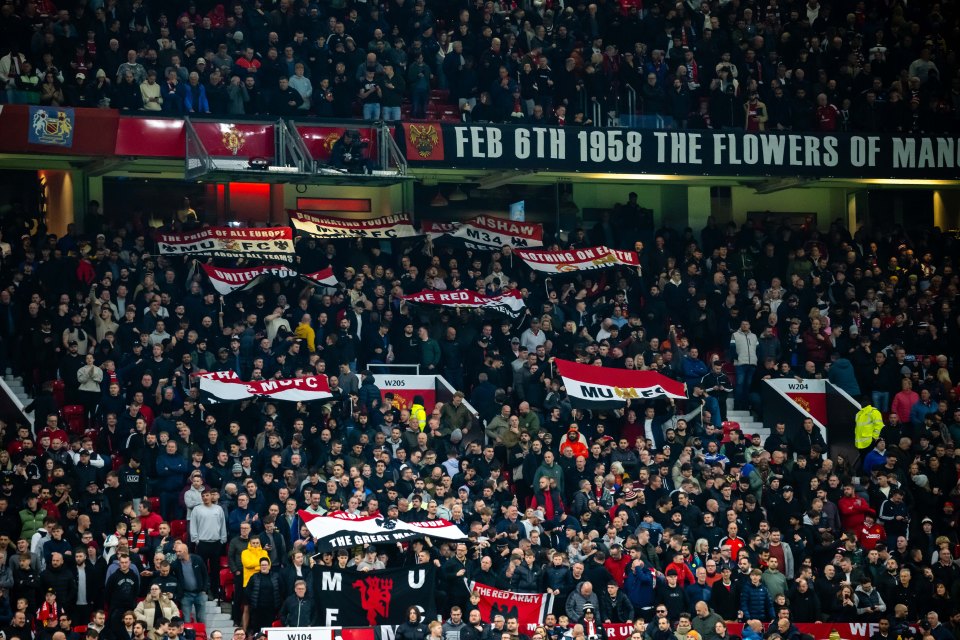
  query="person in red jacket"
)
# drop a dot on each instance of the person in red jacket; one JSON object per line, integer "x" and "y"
{"x": 684, "y": 574}
{"x": 871, "y": 533}
{"x": 575, "y": 442}
{"x": 852, "y": 508}
{"x": 827, "y": 114}
{"x": 616, "y": 563}
{"x": 733, "y": 540}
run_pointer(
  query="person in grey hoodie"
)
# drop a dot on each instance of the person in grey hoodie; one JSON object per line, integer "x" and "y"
{"x": 237, "y": 97}
{"x": 454, "y": 625}
{"x": 581, "y": 596}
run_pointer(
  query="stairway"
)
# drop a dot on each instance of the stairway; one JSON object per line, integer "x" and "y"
{"x": 14, "y": 388}
{"x": 218, "y": 619}
{"x": 748, "y": 424}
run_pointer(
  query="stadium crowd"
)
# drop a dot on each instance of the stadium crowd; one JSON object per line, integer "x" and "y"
{"x": 803, "y": 66}
{"x": 132, "y": 501}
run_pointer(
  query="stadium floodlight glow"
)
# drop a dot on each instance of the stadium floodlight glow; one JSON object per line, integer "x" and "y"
{"x": 907, "y": 182}
{"x": 652, "y": 177}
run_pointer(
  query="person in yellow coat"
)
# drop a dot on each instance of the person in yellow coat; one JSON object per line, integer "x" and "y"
{"x": 417, "y": 411}
{"x": 250, "y": 559}
{"x": 305, "y": 331}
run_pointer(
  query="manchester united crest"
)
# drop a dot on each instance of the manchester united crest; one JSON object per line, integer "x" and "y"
{"x": 233, "y": 139}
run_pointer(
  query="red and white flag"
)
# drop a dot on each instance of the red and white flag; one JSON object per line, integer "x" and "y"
{"x": 394, "y": 226}
{"x": 437, "y": 229}
{"x": 225, "y": 386}
{"x": 577, "y": 259}
{"x": 602, "y": 384}
{"x": 226, "y": 281}
{"x": 510, "y": 303}
{"x": 529, "y": 609}
{"x": 492, "y": 234}
{"x": 272, "y": 243}
{"x": 324, "y": 277}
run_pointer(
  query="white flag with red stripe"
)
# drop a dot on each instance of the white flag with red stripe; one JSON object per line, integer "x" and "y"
{"x": 602, "y": 384}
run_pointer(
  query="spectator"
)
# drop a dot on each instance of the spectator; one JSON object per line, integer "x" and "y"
{"x": 195, "y": 95}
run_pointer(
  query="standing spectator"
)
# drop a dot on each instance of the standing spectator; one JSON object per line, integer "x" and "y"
{"x": 195, "y": 95}
{"x": 192, "y": 575}
{"x": 827, "y": 114}
{"x": 286, "y": 100}
{"x": 419, "y": 76}
{"x": 172, "y": 94}
{"x": 393, "y": 87}
{"x": 303, "y": 86}
{"x": 265, "y": 596}
{"x": 172, "y": 474}
{"x": 743, "y": 352}
{"x": 370, "y": 93}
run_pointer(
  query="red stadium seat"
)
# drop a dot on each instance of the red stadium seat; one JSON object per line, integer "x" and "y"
{"x": 224, "y": 562}
{"x": 199, "y": 629}
{"x": 729, "y": 426}
{"x": 74, "y": 415}
{"x": 178, "y": 529}
{"x": 226, "y": 584}
{"x": 154, "y": 504}
{"x": 59, "y": 392}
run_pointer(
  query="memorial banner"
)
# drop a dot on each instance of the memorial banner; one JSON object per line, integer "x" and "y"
{"x": 271, "y": 243}
{"x": 509, "y": 147}
{"x": 577, "y": 259}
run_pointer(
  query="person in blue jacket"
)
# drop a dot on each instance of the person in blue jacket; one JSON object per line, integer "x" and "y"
{"x": 638, "y": 585}
{"x": 755, "y": 600}
{"x": 171, "y": 476}
{"x": 693, "y": 368}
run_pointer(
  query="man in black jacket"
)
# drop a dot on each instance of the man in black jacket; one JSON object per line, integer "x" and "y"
{"x": 614, "y": 605}
{"x": 264, "y": 595}
{"x": 89, "y": 580}
{"x": 121, "y": 591}
{"x": 191, "y": 571}
{"x": 59, "y": 578}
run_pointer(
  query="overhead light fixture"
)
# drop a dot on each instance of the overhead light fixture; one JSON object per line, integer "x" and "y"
{"x": 501, "y": 178}
{"x": 458, "y": 195}
{"x": 781, "y": 184}
{"x": 439, "y": 200}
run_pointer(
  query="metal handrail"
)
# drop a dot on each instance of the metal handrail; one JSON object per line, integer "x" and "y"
{"x": 597, "y": 114}
{"x": 631, "y": 103}
{"x": 194, "y": 149}
{"x": 297, "y": 151}
{"x": 389, "y": 151}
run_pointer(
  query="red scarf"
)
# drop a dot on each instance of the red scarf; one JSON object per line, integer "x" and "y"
{"x": 48, "y": 615}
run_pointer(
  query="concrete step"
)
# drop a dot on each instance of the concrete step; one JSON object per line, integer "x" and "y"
{"x": 218, "y": 620}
